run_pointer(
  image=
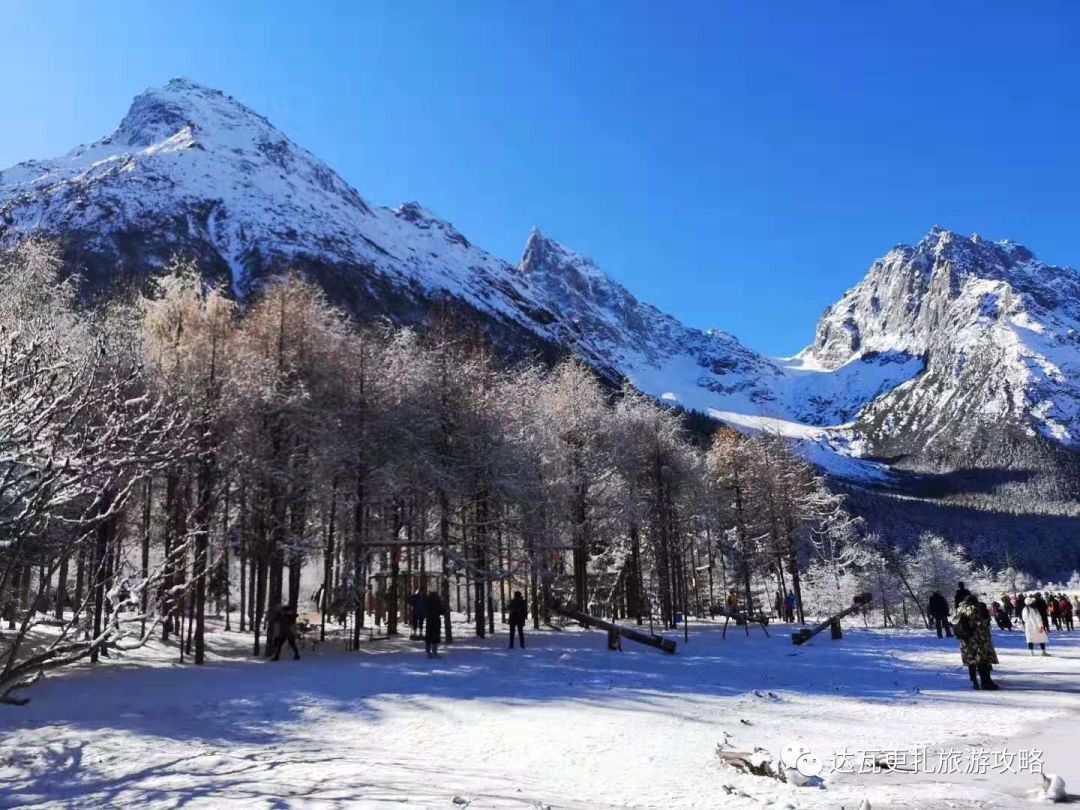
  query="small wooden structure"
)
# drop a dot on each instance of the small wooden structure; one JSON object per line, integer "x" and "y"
{"x": 659, "y": 642}
{"x": 833, "y": 622}
{"x": 741, "y": 618}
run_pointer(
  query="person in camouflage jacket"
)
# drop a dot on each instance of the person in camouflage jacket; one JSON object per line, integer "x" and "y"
{"x": 977, "y": 651}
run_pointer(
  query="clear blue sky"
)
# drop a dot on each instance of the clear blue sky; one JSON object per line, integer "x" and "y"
{"x": 737, "y": 164}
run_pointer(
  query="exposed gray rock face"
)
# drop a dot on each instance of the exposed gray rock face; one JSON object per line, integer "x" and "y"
{"x": 1000, "y": 335}
{"x": 641, "y": 341}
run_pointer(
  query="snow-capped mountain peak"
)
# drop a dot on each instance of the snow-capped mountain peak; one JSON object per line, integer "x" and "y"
{"x": 544, "y": 255}
{"x": 949, "y": 329}
{"x": 1000, "y": 334}
{"x": 160, "y": 113}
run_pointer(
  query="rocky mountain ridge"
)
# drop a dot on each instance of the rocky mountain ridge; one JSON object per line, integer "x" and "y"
{"x": 952, "y": 354}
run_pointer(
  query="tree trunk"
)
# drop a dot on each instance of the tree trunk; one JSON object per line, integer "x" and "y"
{"x": 297, "y": 527}
{"x": 144, "y": 556}
{"x": 328, "y": 561}
{"x": 581, "y": 545}
{"x": 444, "y": 538}
{"x": 206, "y": 480}
{"x": 480, "y": 563}
{"x": 243, "y": 586}
{"x": 225, "y": 567}
{"x": 61, "y": 589}
{"x": 103, "y": 537}
{"x": 634, "y": 595}
{"x": 259, "y": 569}
{"x": 796, "y": 587}
{"x": 80, "y": 580}
{"x": 535, "y": 595}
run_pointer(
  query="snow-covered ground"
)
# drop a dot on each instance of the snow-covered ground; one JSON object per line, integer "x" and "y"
{"x": 564, "y": 723}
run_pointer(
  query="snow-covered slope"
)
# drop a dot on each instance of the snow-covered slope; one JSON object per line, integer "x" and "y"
{"x": 191, "y": 170}
{"x": 702, "y": 370}
{"x": 941, "y": 346}
{"x": 710, "y": 371}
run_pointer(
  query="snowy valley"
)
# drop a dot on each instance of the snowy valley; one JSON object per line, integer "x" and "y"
{"x": 563, "y": 725}
{"x": 951, "y": 372}
{"x": 713, "y": 554}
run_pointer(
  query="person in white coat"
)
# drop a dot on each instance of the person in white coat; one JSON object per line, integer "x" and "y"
{"x": 1035, "y": 630}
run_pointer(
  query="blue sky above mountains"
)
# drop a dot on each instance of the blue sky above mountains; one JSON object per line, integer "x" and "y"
{"x": 738, "y": 165}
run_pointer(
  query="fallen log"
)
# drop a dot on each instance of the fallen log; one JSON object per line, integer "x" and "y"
{"x": 804, "y": 635}
{"x": 659, "y": 642}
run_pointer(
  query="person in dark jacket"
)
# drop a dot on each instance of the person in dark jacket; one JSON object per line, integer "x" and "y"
{"x": 516, "y": 617}
{"x": 433, "y": 612}
{"x": 962, "y": 593}
{"x": 938, "y": 609}
{"x": 416, "y": 613}
{"x": 1065, "y": 606}
{"x": 1040, "y": 605}
{"x": 281, "y": 628}
{"x": 976, "y": 642}
{"x": 1001, "y": 616}
{"x": 1006, "y": 604}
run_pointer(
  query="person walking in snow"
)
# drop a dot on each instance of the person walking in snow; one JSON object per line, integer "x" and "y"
{"x": 433, "y": 613}
{"x": 962, "y": 593}
{"x": 516, "y": 617}
{"x": 1007, "y": 605}
{"x": 976, "y": 643}
{"x": 1066, "y": 611}
{"x": 1001, "y": 616}
{"x": 1040, "y": 605}
{"x": 789, "y": 607}
{"x": 938, "y": 609}
{"x": 281, "y": 628}
{"x": 1035, "y": 629}
{"x": 416, "y": 613}
{"x": 778, "y": 606}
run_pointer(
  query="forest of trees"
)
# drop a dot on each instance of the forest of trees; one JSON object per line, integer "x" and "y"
{"x": 174, "y": 456}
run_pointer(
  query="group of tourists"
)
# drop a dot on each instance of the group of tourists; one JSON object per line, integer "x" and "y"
{"x": 784, "y": 606}
{"x": 970, "y": 621}
{"x": 426, "y": 613}
{"x": 1055, "y": 610}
